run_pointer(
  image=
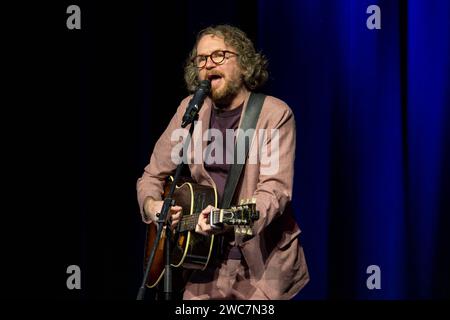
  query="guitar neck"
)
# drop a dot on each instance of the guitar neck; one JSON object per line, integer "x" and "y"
{"x": 223, "y": 216}
{"x": 188, "y": 223}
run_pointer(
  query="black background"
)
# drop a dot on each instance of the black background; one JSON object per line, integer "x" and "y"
{"x": 85, "y": 108}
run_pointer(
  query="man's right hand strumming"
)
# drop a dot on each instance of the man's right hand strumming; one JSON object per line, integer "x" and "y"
{"x": 152, "y": 207}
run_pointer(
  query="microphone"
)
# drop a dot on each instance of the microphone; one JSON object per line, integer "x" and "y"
{"x": 196, "y": 102}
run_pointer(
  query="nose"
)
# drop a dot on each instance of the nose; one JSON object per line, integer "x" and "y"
{"x": 209, "y": 63}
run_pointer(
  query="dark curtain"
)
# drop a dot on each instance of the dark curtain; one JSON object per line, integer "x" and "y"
{"x": 372, "y": 110}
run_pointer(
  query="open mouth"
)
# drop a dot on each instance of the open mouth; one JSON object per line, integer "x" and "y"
{"x": 215, "y": 79}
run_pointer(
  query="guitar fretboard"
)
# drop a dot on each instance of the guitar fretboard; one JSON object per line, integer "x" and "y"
{"x": 236, "y": 216}
{"x": 189, "y": 222}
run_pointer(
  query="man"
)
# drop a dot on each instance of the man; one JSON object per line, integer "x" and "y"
{"x": 271, "y": 264}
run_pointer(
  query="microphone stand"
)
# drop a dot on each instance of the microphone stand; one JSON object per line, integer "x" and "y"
{"x": 164, "y": 219}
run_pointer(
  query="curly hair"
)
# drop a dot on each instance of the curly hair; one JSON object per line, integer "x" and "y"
{"x": 253, "y": 64}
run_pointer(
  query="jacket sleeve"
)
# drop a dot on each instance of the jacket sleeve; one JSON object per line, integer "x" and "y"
{"x": 161, "y": 165}
{"x": 276, "y": 173}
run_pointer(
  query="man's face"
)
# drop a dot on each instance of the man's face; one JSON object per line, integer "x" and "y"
{"x": 226, "y": 78}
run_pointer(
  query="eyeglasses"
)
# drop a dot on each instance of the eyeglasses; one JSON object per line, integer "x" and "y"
{"x": 218, "y": 57}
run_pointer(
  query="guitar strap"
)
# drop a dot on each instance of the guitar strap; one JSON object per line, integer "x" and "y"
{"x": 251, "y": 115}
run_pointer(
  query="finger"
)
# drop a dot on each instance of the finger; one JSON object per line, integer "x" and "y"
{"x": 176, "y": 208}
{"x": 205, "y": 227}
{"x": 176, "y": 216}
{"x": 199, "y": 229}
{"x": 207, "y": 210}
{"x": 204, "y": 219}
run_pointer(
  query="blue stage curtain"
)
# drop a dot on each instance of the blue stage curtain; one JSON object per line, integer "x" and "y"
{"x": 373, "y": 153}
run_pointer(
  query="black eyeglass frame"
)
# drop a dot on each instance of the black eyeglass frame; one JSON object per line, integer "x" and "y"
{"x": 205, "y": 62}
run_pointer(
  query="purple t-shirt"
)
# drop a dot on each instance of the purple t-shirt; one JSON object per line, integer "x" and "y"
{"x": 218, "y": 169}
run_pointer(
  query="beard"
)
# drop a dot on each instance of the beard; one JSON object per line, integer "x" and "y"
{"x": 223, "y": 96}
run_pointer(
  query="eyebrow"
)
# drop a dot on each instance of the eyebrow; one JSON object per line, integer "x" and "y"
{"x": 198, "y": 54}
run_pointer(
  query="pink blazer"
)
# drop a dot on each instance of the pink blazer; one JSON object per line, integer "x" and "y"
{"x": 274, "y": 255}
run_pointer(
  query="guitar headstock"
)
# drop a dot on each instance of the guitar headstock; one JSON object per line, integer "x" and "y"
{"x": 240, "y": 216}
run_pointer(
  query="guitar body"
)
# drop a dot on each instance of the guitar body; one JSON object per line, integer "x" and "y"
{"x": 189, "y": 249}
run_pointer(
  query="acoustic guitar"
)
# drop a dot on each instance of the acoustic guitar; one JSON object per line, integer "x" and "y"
{"x": 189, "y": 249}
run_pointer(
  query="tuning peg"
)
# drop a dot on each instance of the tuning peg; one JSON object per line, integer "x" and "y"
{"x": 241, "y": 202}
{"x": 253, "y": 201}
{"x": 237, "y": 230}
{"x": 249, "y": 231}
